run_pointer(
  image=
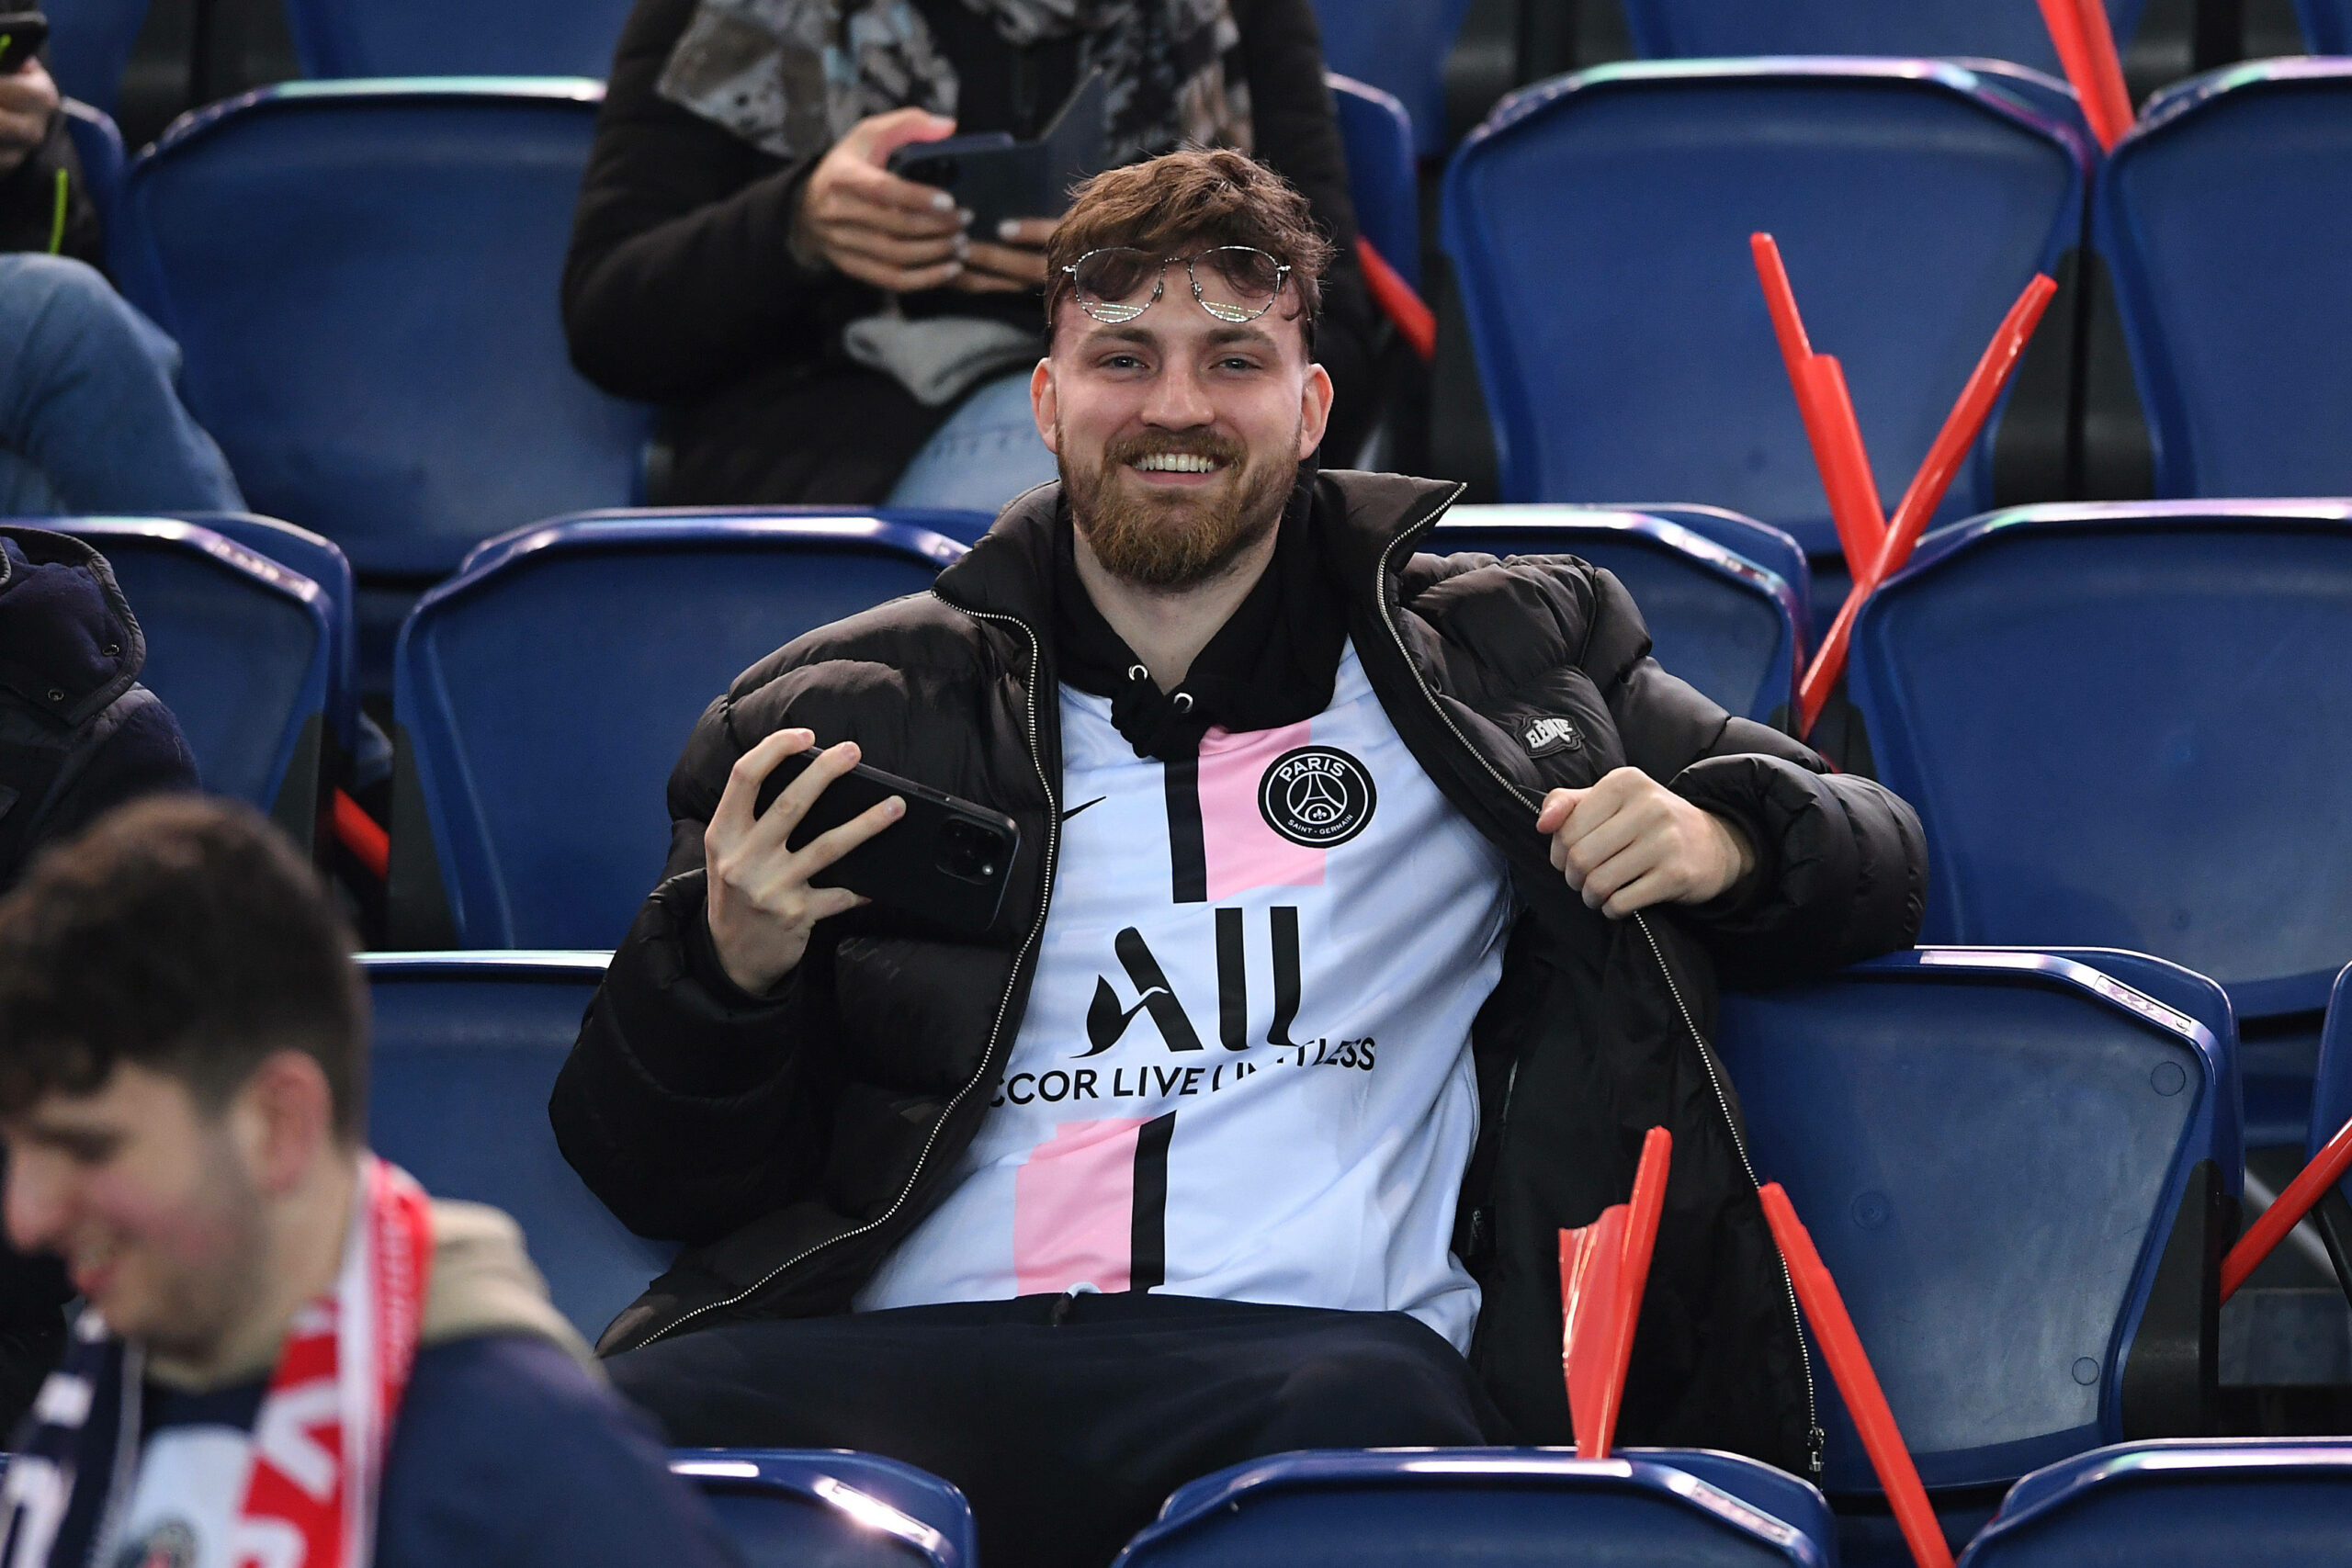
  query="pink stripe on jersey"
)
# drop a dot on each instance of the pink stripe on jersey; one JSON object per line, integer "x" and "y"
{"x": 1073, "y": 1208}
{"x": 1242, "y": 851}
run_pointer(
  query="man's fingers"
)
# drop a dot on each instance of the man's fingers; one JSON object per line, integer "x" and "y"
{"x": 778, "y": 822}
{"x": 1650, "y": 888}
{"x": 826, "y": 848}
{"x": 879, "y": 249}
{"x": 1620, "y": 871}
{"x": 890, "y": 205}
{"x": 1557, "y": 806}
{"x": 1033, "y": 231}
{"x": 901, "y": 280}
{"x": 1024, "y": 270}
{"x": 735, "y": 814}
{"x": 972, "y": 282}
{"x": 875, "y": 137}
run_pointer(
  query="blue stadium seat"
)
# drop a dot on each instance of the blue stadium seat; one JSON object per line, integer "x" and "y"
{"x": 2328, "y": 25}
{"x": 239, "y": 647}
{"x": 1720, "y": 619}
{"x": 466, "y": 1047}
{"x": 2020, "y": 1168}
{"x": 2224, "y": 218}
{"x": 456, "y": 38}
{"x": 2331, "y": 1109}
{"x": 1399, "y": 47}
{"x": 831, "y": 1508}
{"x": 1997, "y": 29}
{"x": 2280, "y": 1502}
{"x": 1622, "y": 338}
{"x": 97, "y": 141}
{"x": 1376, "y": 135}
{"x": 1495, "y": 1507}
{"x": 2122, "y": 724}
{"x": 363, "y": 279}
{"x": 545, "y": 692}
{"x": 89, "y": 45}
{"x": 316, "y": 557}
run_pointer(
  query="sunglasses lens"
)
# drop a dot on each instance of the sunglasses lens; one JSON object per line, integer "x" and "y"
{"x": 1237, "y": 282}
{"x": 1116, "y": 285}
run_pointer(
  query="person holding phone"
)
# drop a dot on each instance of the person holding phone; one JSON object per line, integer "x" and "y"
{"x": 1364, "y": 915}
{"x": 825, "y": 330}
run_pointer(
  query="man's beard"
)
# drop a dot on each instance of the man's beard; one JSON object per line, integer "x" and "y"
{"x": 1174, "y": 540}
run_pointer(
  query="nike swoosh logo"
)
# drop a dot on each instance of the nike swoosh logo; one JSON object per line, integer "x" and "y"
{"x": 1076, "y": 809}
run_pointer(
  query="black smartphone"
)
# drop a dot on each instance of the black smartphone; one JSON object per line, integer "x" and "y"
{"x": 995, "y": 177}
{"x": 21, "y": 33}
{"x": 946, "y": 860}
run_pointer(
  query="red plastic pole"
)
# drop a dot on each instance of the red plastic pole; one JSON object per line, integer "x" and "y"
{"x": 2107, "y": 69}
{"x": 2070, "y": 32}
{"x": 1416, "y": 323}
{"x": 1641, "y": 1240}
{"x": 1829, "y": 426}
{"x": 359, "y": 834}
{"x": 1865, "y": 1401}
{"x": 1950, "y": 449}
{"x": 2324, "y": 1171}
{"x": 1603, "y": 1267}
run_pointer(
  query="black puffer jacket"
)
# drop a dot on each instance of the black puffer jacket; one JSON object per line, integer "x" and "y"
{"x": 791, "y": 1140}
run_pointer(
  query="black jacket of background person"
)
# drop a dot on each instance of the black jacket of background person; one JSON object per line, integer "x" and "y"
{"x": 793, "y": 1139}
{"x": 681, "y": 287}
{"x": 78, "y": 734}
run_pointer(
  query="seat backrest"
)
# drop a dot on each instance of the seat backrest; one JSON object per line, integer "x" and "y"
{"x": 456, "y": 38}
{"x": 1503, "y": 1507}
{"x": 547, "y": 691}
{"x": 89, "y": 45}
{"x": 241, "y": 648}
{"x": 1376, "y": 135}
{"x": 2328, "y": 25}
{"x": 831, "y": 1508}
{"x": 1720, "y": 620}
{"x": 97, "y": 141}
{"x": 2277, "y": 1500}
{"x": 1622, "y": 340}
{"x": 1998, "y": 29}
{"x": 2223, "y": 219}
{"x": 362, "y": 278}
{"x": 2332, "y": 1086}
{"x": 2120, "y": 726}
{"x": 465, "y": 1051}
{"x": 1399, "y": 47}
{"x": 316, "y": 557}
{"x": 2013, "y": 1164}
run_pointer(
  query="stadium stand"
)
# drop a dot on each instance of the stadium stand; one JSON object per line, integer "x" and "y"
{"x": 2149, "y": 1504}
{"x": 89, "y": 44}
{"x": 1719, "y": 618}
{"x": 1376, "y": 135}
{"x": 361, "y": 276}
{"x": 241, "y": 647}
{"x": 1997, "y": 29}
{"x": 1400, "y": 47}
{"x": 789, "y": 1508}
{"x": 1928, "y": 1113}
{"x": 1622, "y": 339}
{"x": 1507, "y": 1508}
{"x": 456, "y": 38}
{"x": 466, "y": 1047}
{"x": 2120, "y": 725}
{"x": 98, "y": 144}
{"x": 544, "y": 692}
{"x": 2223, "y": 218}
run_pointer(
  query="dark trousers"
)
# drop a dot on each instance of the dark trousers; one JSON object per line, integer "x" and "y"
{"x": 1066, "y": 1420}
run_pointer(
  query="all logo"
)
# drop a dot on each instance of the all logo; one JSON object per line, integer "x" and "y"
{"x": 1317, "y": 797}
{"x": 1545, "y": 735}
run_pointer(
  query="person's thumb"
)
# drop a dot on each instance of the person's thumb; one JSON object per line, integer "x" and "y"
{"x": 878, "y": 137}
{"x": 1558, "y": 806}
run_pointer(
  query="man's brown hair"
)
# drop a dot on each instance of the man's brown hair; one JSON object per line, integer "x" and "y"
{"x": 185, "y": 934}
{"x": 1183, "y": 202}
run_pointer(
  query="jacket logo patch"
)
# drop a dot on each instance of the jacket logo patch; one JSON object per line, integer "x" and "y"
{"x": 1317, "y": 797}
{"x": 1545, "y": 735}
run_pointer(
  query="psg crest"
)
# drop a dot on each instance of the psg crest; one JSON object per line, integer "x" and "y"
{"x": 1315, "y": 796}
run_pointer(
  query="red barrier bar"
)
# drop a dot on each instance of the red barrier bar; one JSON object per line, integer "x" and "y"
{"x": 2107, "y": 69}
{"x": 2077, "y": 54}
{"x": 1865, "y": 1401}
{"x": 1603, "y": 1267}
{"x": 1950, "y": 448}
{"x": 1416, "y": 323}
{"x": 2309, "y": 1186}
{"x": 359, "y": 833}
{"x": 1829, "y": 428}
{"x": 1781, "y": 302}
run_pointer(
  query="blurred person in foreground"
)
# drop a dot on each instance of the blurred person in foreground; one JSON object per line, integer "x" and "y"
{"x": 289, "y": 1354}
{"x": 1367, "y": 913}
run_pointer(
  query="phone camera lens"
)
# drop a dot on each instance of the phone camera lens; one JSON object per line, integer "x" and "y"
{"x": 969, "y": 851}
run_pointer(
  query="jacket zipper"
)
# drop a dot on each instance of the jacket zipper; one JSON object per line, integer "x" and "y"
{"x": 1003, "y": 1002}
{"x": 1814, "y": 1437}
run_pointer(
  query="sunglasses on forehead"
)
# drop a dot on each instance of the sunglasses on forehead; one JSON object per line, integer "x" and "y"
{"x": 1232, "y": 283}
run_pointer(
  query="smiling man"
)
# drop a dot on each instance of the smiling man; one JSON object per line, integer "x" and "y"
{"x": 1364, "y": 918}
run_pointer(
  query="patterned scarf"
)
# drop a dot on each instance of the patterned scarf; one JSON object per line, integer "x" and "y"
{"x": 792, "y": 76}
{"x": 318, "y": 1444}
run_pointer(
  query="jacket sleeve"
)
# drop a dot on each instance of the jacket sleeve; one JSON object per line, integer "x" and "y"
{"x": 687, "y": 1105}
{"x": 1297, "y": 135}
{"x": 1841, "y": 870}
{"x": 681, "y": 275}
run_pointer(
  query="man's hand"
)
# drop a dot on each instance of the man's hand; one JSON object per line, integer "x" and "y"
{"x": 1629, "y": 843}
{"x": 28, "y": 98}
{"x": 760, "y": 905}
{"x": 869, "y": 223}
{"x": 1016, "y": 262}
